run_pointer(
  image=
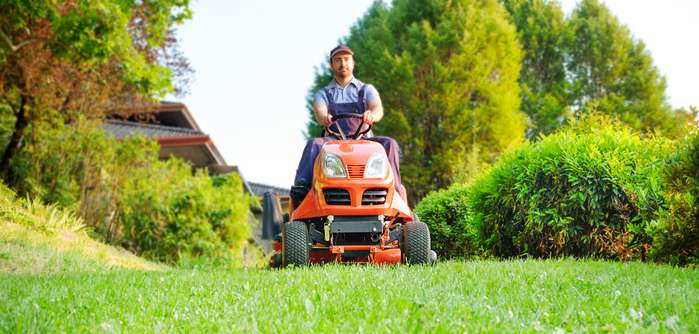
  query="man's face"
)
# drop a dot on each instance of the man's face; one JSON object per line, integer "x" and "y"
{"x": 343, "y": 64}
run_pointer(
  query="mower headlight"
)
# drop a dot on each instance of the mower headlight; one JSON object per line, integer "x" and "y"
{"x": 333, "y": 167}
{"x": 377, "y": 166}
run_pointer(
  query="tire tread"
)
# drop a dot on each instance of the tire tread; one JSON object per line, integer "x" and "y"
{"x": 295, "y": 243}
{"x": 417, "y": 243}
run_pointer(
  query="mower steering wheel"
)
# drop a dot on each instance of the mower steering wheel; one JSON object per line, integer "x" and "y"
{"x": 341, "y": 134}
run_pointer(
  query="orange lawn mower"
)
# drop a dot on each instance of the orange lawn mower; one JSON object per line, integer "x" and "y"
{"x": 352, "y": 213}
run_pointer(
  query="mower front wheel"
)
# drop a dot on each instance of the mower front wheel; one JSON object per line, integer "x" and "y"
{"x": 295, "y": 243}
{"x": 416, "y": 243}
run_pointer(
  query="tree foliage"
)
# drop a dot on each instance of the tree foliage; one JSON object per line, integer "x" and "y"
{"x": 434, "y": 63}
{"x": 447, "y": 72}
{"x": 64, "y": 65}
{"x": 587, "y": 63}
{"x": 69, "y": 58}
{"x": 614, "y": 73}
{"x": 542, "y": 31}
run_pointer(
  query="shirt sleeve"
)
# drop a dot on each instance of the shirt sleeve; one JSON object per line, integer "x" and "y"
{"x": 371, "y": 93}
{"x": 320, "y": 97}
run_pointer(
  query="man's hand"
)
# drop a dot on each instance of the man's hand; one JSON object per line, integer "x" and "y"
{"x": 374, "y": 111}
{"x": 368, "y": 118}
{"x": 326, "y": 120}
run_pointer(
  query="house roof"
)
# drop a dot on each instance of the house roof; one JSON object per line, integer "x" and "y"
{"x": 189, "y": 144}
{"x": 260, "y": 189}
{"x": 121, "y": 129}
{"x": 166, "y": 113}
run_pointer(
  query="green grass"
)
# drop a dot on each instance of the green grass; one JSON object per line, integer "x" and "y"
{"x": 25, "y": 249}
{"x": 490, "y": 296}
{"x": 39, "y": 238}
{"x": 55, "y": 278}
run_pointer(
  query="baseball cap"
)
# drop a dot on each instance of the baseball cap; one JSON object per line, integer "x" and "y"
{"x": 340, "y": 48}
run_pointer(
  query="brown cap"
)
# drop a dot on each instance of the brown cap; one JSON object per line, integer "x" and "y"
{"x": 339, "y": 49}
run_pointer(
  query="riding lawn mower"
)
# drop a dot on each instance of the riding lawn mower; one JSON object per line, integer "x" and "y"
{"x": 352, "y": 213}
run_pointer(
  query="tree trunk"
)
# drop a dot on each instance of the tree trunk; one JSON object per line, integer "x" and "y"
{"x": 15, "y": 144}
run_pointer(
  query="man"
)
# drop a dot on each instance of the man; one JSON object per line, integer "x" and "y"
{"x": 345, "y": 94}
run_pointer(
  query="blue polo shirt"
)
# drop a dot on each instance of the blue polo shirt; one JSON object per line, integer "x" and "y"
{"x": 349, "y": 93}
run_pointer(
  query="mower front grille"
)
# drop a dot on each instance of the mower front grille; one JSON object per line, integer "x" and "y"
{"x": 336, "y": 196}
{"x": 355, "y": 171}
{"x": 374, "y": 196}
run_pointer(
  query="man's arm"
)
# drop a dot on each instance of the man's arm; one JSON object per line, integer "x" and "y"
{"x": 374, "y": 111}
{"x": 320, "y": 110}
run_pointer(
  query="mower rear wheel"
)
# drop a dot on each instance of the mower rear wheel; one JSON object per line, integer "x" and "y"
{"x": 295, "y": 243}
{"x": 416, "y": 243}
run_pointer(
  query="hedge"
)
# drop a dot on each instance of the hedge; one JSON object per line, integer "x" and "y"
{"x": 676, "y": 238}
{"x": 594, "y": 189}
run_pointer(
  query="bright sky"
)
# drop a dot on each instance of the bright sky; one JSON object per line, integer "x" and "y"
{"x": 255, "y": 61}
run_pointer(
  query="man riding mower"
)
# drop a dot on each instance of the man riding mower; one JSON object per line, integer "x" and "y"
{"x": 353, "y": 211}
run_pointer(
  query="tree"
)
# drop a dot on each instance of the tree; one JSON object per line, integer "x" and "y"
{"x": 613, "y": 73}
{"x": 447, "y": 72}
{"x": 589, "y": 62}
{"x": 542, "y": 31}
{"x": 62, "y": 59}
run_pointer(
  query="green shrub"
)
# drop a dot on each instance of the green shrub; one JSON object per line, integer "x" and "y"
{"x": 127, "y": 196}
{"x": 676, "y": 239}
{"x": 593, "y": 189}
{"x": 446, "y": 212}
{"x": 590, "y": 190}
{"x": 78, "y": 166}
{"x": 168, "y": 213}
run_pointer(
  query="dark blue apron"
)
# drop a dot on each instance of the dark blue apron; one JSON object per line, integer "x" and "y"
{"x": 348, "y": 125}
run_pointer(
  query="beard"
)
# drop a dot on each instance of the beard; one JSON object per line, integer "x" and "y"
{"x": 343, "y": 73}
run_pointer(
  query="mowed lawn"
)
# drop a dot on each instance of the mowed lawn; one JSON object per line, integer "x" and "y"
{"x": 492, "y": 296}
